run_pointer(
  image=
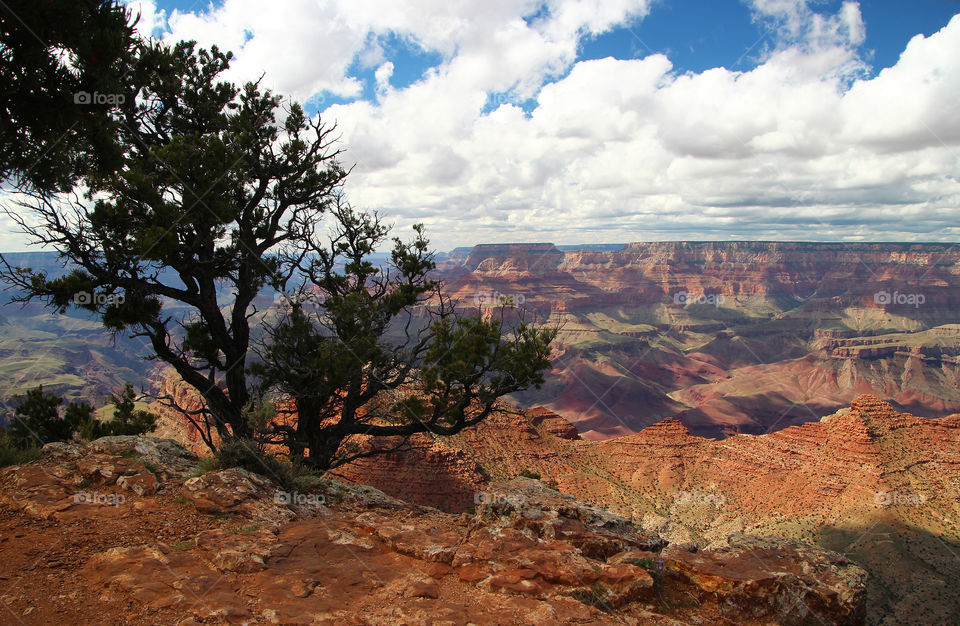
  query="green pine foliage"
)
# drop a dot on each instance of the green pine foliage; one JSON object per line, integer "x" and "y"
{"x": 215, "y": 192}
{"x": 126, "y": 420}
{"x": 210, "y": 178}
{"x": 38, "y": 419}
{"x": 64, "y": 68}
{"x": 373, "y": 332}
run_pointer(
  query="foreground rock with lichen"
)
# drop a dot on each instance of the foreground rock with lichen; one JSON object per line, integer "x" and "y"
{"x": 121, "y": 530}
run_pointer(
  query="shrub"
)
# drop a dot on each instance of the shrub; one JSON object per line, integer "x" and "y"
{"x": 37, "y": 419}
{"x": 10, "y": 454}
{"x": 126, "y": 419}
{"x": 244, "y": 454}
{"x": 595, "y": 596}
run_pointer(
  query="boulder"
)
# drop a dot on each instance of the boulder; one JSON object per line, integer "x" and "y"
{"x": 165, "y": 456}
{"x": 771, "y": 578}
{"x": 236, "y": 491}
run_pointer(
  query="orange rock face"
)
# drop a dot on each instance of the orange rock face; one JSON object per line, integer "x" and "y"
{"x": 450, "y": 473}
{"x": 861, "y": 481}
{"x": 552, "y": 424}
{"x": 430, "y": 474}
{"x": 172, "y": 423}
{"x": 529, "y": 555}
{"x": 752, "y": 576}
{"x": 828, "y": 466}
{"x": 875, "y": 483}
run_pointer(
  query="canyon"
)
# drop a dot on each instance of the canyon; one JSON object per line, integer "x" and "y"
{"x": 795, "y": 405}
{"x": 850, "y": 519}
{"x": 728, "y": 337}
{"x": 879, "y": 486}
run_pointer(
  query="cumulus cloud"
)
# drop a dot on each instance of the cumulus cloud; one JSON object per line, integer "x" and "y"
{"x": 383, "y": 74}
{"x": 802, "y": 146}
{"x": 304, "y": 47}
{"x": 805, "y": 145}
{"x": 797, "y": 23}
{"x": 914, "y": 103}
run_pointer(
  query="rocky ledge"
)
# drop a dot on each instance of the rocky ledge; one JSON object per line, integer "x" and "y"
{"x": 124, "y": 530}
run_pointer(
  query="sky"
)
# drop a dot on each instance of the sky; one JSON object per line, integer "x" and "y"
{"x": 589, "y": 121}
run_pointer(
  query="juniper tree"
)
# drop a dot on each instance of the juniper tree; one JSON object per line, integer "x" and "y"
{"x": 219, "y": 193}
{"x": 379, "y": 351}
{"x": 172, "y": 246}
{"x": 64, "y": 67}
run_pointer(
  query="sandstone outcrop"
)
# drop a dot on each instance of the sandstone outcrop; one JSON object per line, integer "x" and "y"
{"x": 868, "y": 481}
{"x": 771, "y": 578}
{"x": 550, "y": 423}
{"x": 221, "y": 547}
{"x": 428, "y": 473}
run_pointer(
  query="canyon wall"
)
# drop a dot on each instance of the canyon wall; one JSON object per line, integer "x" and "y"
{"x": 728, "y": 337}
{"x": 878, "y": 485}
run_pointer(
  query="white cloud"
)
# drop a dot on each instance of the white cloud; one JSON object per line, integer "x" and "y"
{"x": 383, "y": 74}
{"x": 802, "y": 146}
{"x": 799, "y": 147}
{"x": 797, "y": 23}
{"x": 151, "y": 21}
{"x": 305, "y": 46}
{"x": 914, "y": 103}
{"x": 852, "y": 22}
